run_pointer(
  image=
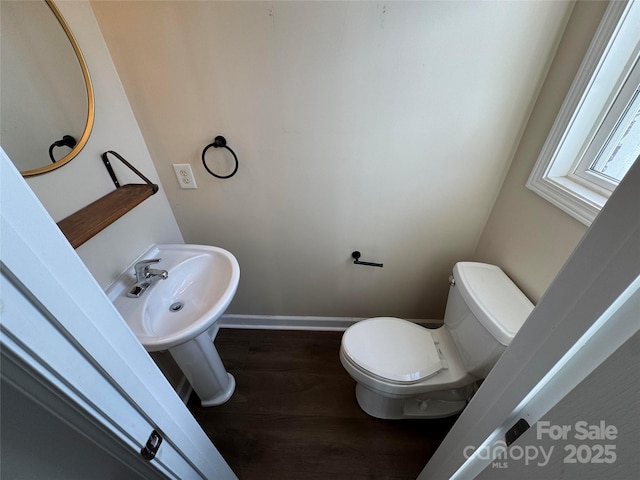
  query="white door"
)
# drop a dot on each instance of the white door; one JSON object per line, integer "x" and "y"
{"x": 65, "y": 346}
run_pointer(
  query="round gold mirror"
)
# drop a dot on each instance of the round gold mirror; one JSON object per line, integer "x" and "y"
{"x": 47, "y": 103}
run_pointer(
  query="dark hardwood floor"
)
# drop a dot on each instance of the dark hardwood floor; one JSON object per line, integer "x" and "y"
{"x": 294, "y": 414}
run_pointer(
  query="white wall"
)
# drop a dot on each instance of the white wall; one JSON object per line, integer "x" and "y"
{"x": 526, "y": 235}
{"x": 381, "y": 127}
{"x": 85, "y": 178}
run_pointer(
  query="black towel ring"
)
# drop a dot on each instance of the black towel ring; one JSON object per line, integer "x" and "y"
{"x": 217, "y": 143}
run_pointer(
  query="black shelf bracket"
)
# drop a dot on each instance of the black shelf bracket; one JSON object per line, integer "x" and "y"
{"x": 112, "y": 174}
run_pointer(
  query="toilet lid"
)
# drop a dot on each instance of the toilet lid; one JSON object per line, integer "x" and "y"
{"x": 392, "y": 348}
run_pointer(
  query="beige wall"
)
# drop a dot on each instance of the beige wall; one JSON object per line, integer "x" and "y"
{"x": 85, "y": 178}
{"x": 381, "y": 127}
{"x": 526, "y": 235}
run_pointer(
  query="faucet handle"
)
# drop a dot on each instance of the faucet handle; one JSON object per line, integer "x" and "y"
{"x": 151, "y": 260}
{"x": 141, "y": 267}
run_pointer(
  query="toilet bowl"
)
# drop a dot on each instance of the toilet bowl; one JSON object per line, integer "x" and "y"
{"x": 404, "y": 370}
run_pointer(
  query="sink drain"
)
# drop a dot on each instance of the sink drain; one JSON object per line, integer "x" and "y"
{"x": 175, "y": 307}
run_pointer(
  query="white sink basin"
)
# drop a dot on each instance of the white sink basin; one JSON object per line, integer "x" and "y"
{"x": 201, "y": 283}
{"x": 179, "y": 312}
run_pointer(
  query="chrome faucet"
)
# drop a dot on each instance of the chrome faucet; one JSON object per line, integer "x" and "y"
{"x": 146, "y": 276}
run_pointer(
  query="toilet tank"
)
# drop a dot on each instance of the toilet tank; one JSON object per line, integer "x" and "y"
{"x": 485, "y": 309}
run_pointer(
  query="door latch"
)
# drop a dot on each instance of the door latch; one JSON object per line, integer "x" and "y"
{"x": 149, "y": 451}
{"x": 514, "y": 432}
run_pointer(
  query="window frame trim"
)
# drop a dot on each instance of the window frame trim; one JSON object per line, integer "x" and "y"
{"x": 627, "y": 96}
{"x": 552, "y": 180}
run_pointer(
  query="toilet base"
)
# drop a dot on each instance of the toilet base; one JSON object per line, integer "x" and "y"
{"x": 395, "y": 407}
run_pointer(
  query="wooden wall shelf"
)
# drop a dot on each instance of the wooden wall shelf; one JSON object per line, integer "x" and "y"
{"x": 95, "y": 217}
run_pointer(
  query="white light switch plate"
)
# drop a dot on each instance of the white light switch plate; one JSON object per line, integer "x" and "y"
{"x": 185, "y": 175}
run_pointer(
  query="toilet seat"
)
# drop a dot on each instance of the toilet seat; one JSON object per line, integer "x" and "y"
{"x": 393, "y": 349}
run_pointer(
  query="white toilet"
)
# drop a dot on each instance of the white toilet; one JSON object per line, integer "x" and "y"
{"x": 404, "y": 370}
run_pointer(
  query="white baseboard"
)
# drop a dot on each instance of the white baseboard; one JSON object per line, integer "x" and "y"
{"x": 280, "y": 322}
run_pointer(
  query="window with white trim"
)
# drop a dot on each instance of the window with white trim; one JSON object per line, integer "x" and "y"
{"x": 596, "y": 136}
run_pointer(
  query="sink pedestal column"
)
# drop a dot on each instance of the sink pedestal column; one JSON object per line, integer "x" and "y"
{"x": 201, "y": 364}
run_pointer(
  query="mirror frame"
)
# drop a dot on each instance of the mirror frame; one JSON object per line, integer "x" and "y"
{"x": 90, "y": 100}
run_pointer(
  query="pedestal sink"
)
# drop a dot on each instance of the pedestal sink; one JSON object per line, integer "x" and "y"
{"x": 180, "y": 312}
